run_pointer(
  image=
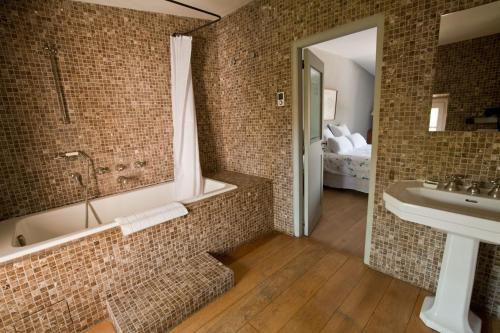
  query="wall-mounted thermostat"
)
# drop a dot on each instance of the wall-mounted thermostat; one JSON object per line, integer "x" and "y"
{"x": 280, "y": 98}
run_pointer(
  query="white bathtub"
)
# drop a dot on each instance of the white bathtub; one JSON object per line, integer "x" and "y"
{"x": 60, "y": 225}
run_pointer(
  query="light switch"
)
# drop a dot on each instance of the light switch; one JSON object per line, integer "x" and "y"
{"x": 280, "y": 98}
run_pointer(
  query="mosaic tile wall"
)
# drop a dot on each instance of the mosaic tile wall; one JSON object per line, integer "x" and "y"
{"x": 67, "y": 286}
{"x": 115, "y": 68}
{"x": 254, "y": 56}
{"x": 469, "y": 71}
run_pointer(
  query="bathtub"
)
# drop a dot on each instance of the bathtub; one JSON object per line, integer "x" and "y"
{"x": 61, "y": 225}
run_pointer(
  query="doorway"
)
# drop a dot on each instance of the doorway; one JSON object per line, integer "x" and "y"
{"x": 348, "y": 196}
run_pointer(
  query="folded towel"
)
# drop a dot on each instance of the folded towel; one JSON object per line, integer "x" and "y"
{"x": 149, "y": 218}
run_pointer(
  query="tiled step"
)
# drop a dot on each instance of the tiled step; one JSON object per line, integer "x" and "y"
{"x": 160, "y": 303}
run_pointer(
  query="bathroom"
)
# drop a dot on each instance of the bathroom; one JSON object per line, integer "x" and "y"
{"x": 92, "y": 79}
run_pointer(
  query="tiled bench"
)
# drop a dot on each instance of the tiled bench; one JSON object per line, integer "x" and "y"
{"x": 160, "y": 303}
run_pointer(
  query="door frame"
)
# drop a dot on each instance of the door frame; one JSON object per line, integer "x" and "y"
{"x": 297, "y": 114}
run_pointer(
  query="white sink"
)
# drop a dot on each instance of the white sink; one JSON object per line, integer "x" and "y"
{"x": 467, "y": 220}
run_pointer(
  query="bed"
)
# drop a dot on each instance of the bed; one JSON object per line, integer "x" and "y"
{"x": 348, "y": 170}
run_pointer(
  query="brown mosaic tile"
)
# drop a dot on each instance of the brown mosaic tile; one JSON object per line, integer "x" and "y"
{"x": 115, "y": 68}
{"x": 87, "y": 272}
{"x": 163, "y": 301}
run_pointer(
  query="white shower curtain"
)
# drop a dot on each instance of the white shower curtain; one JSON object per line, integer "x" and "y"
{"x": 187, "y": 170}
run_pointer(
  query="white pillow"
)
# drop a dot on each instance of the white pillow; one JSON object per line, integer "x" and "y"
{"x": 327, "y": 133}
{"x": 357, "y": 140}
{"x": 339, "y": 145}
{"x": 340, "y": 130}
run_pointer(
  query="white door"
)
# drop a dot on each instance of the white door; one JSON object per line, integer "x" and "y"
{"x": 313, "y": 152}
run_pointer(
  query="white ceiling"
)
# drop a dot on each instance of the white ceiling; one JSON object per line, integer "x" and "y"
{"x": 470, "y": 23}
{"x": 360, "y": 47}
{"x": 221, "y": 7}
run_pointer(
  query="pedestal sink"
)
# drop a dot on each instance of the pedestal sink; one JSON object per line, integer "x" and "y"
{"x": 467, "y": 220}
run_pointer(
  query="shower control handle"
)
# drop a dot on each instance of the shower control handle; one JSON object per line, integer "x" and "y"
{"x": 102, "y": 170}
{"x": 120, "y": 167}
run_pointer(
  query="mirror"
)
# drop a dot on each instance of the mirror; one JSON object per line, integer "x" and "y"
{"x": 466, "y": 82}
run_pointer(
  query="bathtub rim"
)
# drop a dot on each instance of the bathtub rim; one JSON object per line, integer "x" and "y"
{"x": 8, "y": 227}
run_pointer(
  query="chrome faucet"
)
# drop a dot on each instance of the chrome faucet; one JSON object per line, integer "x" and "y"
{"x": 140, "y": 164}
{"x": 454, "y": 184}
{"x": 473, "y": 189}
{"x": 495, "y": 190}
{"x": 77, "y": 178}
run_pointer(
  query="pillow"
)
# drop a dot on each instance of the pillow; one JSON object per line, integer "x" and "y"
{"x": 327, "y": 133}
{"x": 339, "y": 145}
{"x": 339, "y": 130}
{"x": 357, "y": 140}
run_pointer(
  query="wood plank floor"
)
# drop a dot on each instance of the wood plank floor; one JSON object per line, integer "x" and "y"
{"x": 343, "y": 221}
{"x": 286, "y": 284}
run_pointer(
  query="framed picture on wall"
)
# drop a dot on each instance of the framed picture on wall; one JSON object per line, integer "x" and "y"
{"x": 330, "y": 104}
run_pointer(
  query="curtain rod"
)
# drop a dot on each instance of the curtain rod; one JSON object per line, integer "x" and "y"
{"x": 199, "y": 10}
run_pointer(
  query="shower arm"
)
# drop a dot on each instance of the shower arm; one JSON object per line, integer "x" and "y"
{"x": 199, "y": 10}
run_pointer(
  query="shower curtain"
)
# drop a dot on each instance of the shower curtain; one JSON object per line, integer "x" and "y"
{"x": 187, "y": 169}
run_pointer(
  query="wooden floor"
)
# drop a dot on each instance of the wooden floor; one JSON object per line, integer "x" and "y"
{"x": 286, "y": 284}
{"x": 343, "y": 221}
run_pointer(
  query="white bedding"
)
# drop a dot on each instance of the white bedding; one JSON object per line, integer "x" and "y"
{"x": 354, "y": 164}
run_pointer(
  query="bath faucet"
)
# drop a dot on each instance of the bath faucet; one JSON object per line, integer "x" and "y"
{"x": 123, "y": 180}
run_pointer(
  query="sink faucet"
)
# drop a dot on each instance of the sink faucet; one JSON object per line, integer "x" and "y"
{"x": 474, "y": 188}
{"x": 495, "y": 190}
{"x": 454, "y": 183}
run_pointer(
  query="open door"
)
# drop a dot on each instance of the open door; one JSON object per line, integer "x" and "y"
{"x": 313, "y": 152}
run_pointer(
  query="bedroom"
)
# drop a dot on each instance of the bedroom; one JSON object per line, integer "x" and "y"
{"x": 347, "y": 130}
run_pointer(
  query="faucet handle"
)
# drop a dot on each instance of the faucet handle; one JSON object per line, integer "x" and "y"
{"x": 120, "y": 167}
{"x": 495, "y": 182}
{"x": 102, "y": 170}
{"x": 140, "y": 164}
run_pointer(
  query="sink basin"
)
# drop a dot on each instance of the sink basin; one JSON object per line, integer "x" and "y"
{"x": 467, "y": 220}
{"x": 456, "y": 212}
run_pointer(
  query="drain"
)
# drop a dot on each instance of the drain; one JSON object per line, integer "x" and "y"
{"x": 21, "y": 240}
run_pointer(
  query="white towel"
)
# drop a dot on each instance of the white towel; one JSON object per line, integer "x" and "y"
{"x": 149, "y": 218}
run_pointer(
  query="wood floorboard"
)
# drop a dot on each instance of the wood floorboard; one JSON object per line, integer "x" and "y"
{"x": 343, "y": 221}
{"x": 415, "y": 325}
{"x": 261, "y": 296}
{"x": 301, "y": 285}
{"x": 249, "y": 271}
{"x": 247, "y": 328}
{"x": 314, "y": 315}
{"x": 395, "y": 309}
{"x": 279, "y": 311}
{"x": 356, "y": 310}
